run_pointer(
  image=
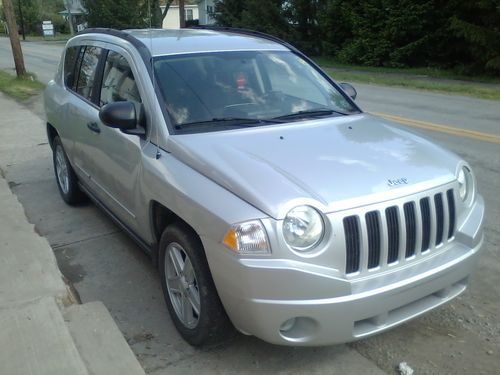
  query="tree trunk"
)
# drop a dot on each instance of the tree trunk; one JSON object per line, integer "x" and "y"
{"x": 17, "y": 52}
{"x": 70, "y": 18}
{"x": 182, "y": 14}
{"x": 167, "y": 7}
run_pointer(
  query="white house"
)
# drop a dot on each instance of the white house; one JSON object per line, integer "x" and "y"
{"x": 206, "y": 11}
{"x": 201, "y": 10}
{"x": 77, "y": 12}
{"x": 171, "y": 20}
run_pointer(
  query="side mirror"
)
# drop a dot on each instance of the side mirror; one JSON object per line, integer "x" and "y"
{"x": 349, "y": 90}
{"x": 123, "y": 116}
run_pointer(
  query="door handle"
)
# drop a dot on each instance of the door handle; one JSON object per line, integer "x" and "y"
{"x": 93, "y": 126}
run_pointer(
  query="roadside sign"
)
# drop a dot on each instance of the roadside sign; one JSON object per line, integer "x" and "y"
{"x": 48, "y": 28}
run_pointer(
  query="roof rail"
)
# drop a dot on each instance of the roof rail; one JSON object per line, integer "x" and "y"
{"x": 237, "y": 30}
{"x": 113, "y": 32}
{"x": 103, "y": 30}
{"x": 140, "y": 46}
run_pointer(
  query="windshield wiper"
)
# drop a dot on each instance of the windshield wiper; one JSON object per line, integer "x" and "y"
{"x": 310, "y": 113}
{"x": 231, "y": 121}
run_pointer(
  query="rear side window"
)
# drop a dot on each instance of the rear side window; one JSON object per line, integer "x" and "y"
{"x": 118, "y": 82}
{"x": 88, "y": 69}
{"x": 70, "y": 66}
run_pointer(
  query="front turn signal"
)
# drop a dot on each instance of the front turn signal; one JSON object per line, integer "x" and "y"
{"x": 247, "y": 238}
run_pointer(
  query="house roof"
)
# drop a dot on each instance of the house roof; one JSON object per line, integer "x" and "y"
{"x": 75, "y": 7}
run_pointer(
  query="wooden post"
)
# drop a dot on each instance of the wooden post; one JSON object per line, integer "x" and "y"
{"x": 17, "y": 52}
{"x": 182, "y": 14}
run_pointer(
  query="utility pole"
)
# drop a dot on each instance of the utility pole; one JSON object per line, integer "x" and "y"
{"x": 182, "y": 14}
{"x": 17, "y": 52}
{"x": 70, "y": 18}
{"x": 21, "y": 18}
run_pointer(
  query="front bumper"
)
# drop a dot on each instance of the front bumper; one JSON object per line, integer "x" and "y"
{"x": 314, "y": 306}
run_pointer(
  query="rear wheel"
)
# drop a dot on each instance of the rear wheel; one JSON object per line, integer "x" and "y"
{"x": 66, "y": 179}
{"x": 188, "y": 288}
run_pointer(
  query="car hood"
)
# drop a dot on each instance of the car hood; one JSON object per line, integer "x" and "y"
{"x": 332, "y": 164}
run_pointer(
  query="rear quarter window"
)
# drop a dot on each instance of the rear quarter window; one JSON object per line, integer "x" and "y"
{"x": 70, "y": 70}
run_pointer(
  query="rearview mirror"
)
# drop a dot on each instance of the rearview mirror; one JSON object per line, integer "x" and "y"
{"x": 349, "y": 90}
{"x": 119, "y": 115}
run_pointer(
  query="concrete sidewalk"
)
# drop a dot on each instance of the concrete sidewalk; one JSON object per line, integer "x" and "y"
{"x": 42, "y": 328}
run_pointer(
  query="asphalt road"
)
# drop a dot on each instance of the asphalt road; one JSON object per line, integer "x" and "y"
{"x": 103, "y": 264}
{"x": 41, "y": 58}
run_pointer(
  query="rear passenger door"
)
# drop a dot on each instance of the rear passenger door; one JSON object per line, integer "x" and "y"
{"x": 115, "y": 158}
{"x": 82, "y": 111}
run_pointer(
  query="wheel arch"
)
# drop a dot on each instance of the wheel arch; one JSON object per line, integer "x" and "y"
{"x": 161, "y": 217}
{"x": 51, "y": 134}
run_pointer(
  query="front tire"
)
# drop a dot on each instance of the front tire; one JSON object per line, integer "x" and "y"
{"x": 188, "y": 288}
{"x": 66, "y": 179}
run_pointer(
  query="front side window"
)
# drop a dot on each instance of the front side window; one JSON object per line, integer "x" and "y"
{"x": 203, "y": 91}
{"x": 118, "y": 82}
{"x": 88, "y": 69}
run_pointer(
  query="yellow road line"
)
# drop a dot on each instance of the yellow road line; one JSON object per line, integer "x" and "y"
{"x": 493, "y": 138}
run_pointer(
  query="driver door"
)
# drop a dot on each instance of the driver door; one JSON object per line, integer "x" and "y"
{"x": 115, "y": 159}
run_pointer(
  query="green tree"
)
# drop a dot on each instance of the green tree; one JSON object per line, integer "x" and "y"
{"x": 304, "y": 17}
{"x": 261, "y": 15}
{"x": 31, "y": 10}
{"x": 475, "y": 26}
{"x": 228, "y": 12}
{"x": 379, "y": 32}
{"x": 115, "y": 14}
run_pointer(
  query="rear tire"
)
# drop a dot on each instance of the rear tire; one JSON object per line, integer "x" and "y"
{"x": 66, "y": 179}
{"x": 188, "y": 288}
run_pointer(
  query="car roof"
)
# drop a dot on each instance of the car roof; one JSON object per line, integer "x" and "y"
{"x": 180, "y": 41}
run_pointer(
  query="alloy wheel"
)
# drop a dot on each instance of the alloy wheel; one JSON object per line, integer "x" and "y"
{"x": 62, "y": 170}
{"x": 182, "y": 285}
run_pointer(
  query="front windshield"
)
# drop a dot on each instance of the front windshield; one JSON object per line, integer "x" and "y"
{"x": 204, "y": 91}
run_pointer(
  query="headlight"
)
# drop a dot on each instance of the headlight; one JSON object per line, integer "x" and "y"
{"x": 247, "y": 238}
{"x": 303, "y": 228}
{"x": 465, "y": 183}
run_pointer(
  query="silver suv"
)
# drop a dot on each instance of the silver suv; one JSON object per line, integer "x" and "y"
{"x": 264, "y": 194}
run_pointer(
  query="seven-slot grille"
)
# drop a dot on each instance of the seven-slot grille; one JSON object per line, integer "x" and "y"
{"x": 396, "y": 233}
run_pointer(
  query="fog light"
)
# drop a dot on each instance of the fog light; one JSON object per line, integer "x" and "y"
{"x": 287, "y": 325}
{"x": 299, "y": 329}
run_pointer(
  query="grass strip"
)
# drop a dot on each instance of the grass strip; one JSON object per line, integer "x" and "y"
{"x": 39, "y": 38}
{"x": 21, "y": 88}
{"x": 468, "y": 89}
{"x": 327, "y": 62}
